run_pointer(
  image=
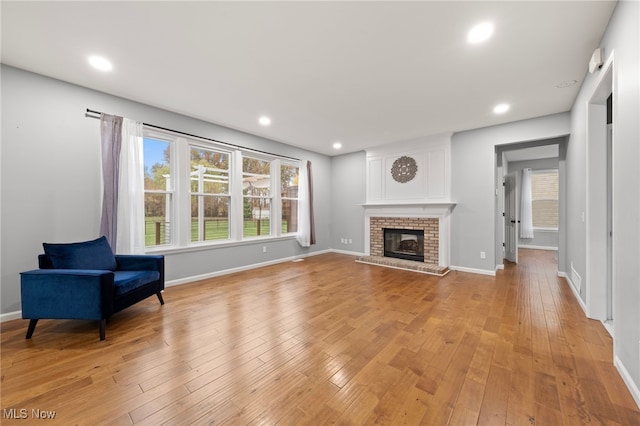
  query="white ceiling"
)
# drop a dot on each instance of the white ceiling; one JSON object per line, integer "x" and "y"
{"x": 363, "y": 73}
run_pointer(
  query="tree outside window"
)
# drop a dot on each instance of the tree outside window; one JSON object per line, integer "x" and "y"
{"x": 289, "y": 196}
{"x": 158, "y": 192}
{"x": 209, "y": 190}
{"x": 256, "y": 191}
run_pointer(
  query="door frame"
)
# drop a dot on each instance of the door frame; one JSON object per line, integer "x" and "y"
{"x": 597, "y": 246}
{"x": 515, "y": 218}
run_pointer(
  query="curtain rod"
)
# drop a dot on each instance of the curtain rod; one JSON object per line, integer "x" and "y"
{"x": 96, "y": 114}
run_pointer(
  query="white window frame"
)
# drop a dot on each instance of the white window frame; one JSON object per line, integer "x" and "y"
{"x": 171, "y": 211}
{"x": 546, "y": 228}
{"x": 209, "y": 147}
{"x": 290, "y": 164}
{"x": 271, "y": 196}
{"x": 181, "y": 193}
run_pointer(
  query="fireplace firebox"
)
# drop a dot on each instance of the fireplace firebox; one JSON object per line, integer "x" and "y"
{"x": 405, "y": 244}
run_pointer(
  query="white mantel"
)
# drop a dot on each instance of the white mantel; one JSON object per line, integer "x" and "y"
{"x": 425, "y": 205}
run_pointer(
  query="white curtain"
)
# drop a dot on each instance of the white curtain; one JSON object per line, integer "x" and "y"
{"x": 130, "y": 217}
{"x": 305, "y": 235}
{"x": 526, "y": 206}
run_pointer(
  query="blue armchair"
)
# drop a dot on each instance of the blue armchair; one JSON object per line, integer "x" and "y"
{"x": 87, "y": 281}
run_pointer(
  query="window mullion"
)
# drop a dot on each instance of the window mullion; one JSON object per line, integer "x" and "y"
{"x": 183, "y": 198}
{"x": 235, "y": 191}
{"x": 276, "y": 203}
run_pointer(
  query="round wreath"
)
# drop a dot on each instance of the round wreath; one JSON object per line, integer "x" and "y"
{"x": 404, "y": 169}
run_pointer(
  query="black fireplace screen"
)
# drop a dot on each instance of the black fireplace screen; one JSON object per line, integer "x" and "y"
{"x": 404, "y": 244}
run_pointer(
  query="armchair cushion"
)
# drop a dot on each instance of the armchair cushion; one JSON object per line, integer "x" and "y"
{"x": 125, "y": 281}
{"x": 95, "y": 254}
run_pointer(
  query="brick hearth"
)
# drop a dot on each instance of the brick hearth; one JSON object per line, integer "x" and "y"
{"x": 430, "y": 226}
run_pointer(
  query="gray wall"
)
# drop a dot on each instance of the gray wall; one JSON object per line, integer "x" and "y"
{"x": 473, "y": 185}
{"x": 51, "y": 178}
{"x": 541, "y": 238}
{"x": 623, "y": 39}
{"x": 348, "y": 189}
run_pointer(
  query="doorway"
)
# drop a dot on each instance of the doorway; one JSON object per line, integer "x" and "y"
{"x": 542, "y": 156}
{"x": 600, "y": 256}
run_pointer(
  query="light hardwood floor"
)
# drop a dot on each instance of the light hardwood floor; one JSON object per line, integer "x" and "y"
{"x": 328, "y": 340}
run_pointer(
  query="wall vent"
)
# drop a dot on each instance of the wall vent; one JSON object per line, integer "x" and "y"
{"x": 576, "y": 279}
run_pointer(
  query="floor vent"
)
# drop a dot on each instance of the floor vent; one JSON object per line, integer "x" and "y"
{"x": 576, "y": 279}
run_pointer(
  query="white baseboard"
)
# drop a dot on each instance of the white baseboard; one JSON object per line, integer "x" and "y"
{"x": 626, "y": 377}
{"x": 525, "y": 246}
{"x": 473, "y": 270}
{"x": 573, "y": 290}
{"x": 350, "y": 253}
{"x": 193, "y": 278}
{"x": 501, "y": 266}
{"x": 633, "y": 388}
{"x": 10, "y": 316}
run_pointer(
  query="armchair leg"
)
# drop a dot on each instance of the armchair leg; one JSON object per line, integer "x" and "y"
{"x": 31, "y": 329}
{"x": 103, "y": 328}
{"x": 159, "y": 294}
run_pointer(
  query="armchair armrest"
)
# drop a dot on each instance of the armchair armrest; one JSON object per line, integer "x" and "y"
{"x": 141, "y": 262}
{"x": 67, "y": 293}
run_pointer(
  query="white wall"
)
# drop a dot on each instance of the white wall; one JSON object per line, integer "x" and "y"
{"x": 51, "y": 178}
{"x": 473, "y": 186}
{"x": 432, "y": 181}
{"x": 622, "y": 38}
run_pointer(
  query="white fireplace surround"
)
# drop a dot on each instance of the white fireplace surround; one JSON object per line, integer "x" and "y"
{"x": 425, "y": 195}
{"x": 439, "y": 210}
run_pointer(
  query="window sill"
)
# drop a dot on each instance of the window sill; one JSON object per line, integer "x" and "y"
{"x": 216, "y": 245}
{"x": 545, "y": 229}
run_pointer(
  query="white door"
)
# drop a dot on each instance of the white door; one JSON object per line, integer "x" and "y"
{"x": 511, "y": 217}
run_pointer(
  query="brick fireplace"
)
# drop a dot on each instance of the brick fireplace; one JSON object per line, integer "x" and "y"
{"x": 428, "y": 225}
{"x": 432, "y": 218}
{"x": 417, "y": 199}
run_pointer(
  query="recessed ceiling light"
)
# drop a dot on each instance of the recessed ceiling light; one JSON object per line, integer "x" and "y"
{"x": 100, "y": 63}
{"x": 264, "y": 120}
{"x": 337, "y": 145}
{"x": 480, "y": 33}
{"x": 501, "y": 108}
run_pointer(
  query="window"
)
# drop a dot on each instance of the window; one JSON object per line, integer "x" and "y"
{"x": 209, "y": 190}
{"x": 256, "y": 192}
{"x": 544, "y": 194}
{"x": 200, "y": 192}
{"x": 158, "y": 191}
{"x": 289, "y": 198}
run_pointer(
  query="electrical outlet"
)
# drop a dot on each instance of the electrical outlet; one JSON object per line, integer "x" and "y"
{"x": 264, "y": 249}
{"x": 350, "y": 241}
{"x": 483, "y": 255}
